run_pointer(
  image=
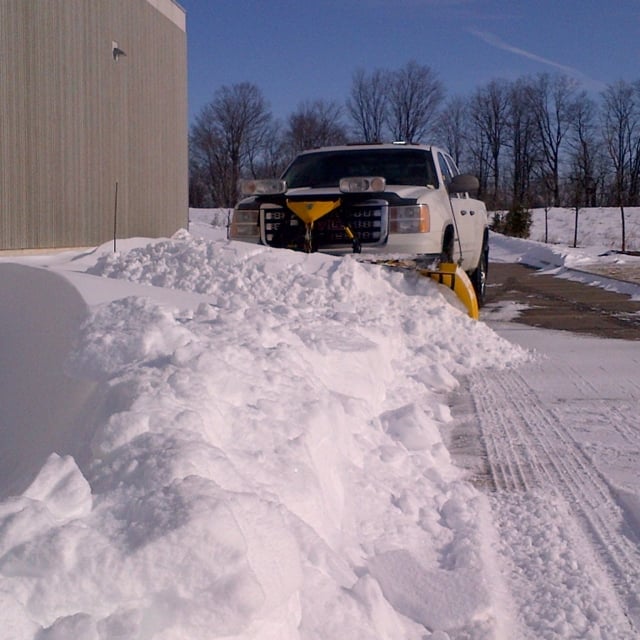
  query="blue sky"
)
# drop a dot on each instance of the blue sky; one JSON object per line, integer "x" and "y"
{"x": 297, "y": 50}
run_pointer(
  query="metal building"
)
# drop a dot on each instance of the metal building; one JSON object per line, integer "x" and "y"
{"x": 93, "y": 121}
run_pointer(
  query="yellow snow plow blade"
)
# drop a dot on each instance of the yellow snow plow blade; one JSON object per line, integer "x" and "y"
{"x": 309, "y": 212}
{"x": 452, "y": 276}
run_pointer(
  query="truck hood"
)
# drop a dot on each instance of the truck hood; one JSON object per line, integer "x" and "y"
{"x": 400, "y": 191}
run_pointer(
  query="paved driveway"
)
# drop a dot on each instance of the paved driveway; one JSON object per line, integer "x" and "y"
{"x": 557, "y": 303}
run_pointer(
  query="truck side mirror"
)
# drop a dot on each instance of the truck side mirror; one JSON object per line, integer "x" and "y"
{"x": 464, "y": 183}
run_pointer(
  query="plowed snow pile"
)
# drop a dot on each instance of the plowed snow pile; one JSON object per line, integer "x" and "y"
{"x": 260, "y": 458}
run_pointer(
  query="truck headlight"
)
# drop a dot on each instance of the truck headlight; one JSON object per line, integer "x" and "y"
{"x": 363, "y": 184}
{"x": 245, "y": 225}
{"x": 262, "y": 187}
{"x": 409, "y": 219}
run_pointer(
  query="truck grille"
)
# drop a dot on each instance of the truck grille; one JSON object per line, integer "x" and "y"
{"x": 368, "y": 221}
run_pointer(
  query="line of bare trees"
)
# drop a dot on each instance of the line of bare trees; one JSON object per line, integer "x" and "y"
{"x": 534, "y": 141}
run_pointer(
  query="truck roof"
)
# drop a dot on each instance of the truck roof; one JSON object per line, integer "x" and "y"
{"x": 371, "y": 145}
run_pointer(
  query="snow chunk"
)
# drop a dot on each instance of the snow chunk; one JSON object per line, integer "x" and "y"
{"x": 62, "y": 487}
{"x": 437, "y": 599}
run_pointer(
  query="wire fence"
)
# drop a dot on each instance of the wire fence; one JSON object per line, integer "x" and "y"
{"x": 591, "y": 227}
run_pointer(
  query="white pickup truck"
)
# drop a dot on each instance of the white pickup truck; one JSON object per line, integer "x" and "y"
{"x": 391, "y": 200}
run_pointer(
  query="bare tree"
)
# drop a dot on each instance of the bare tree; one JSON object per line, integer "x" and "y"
{"x": 489, "y": 112}
{"x": 585, "y": 152}
{"x": 205, "y": 175}
{"x": 521, "y": 144}
{"x": 200, "y": 195}
{"x": 315, "y": 124}
{"x": 227, "y": 135}
{"x": 532, "y": 140}
{"x": 479, "y": 155}
{"x": 452, "y": 127}
{"x": 271, "y": 157}
{"x": 553, "y": 102}
{"x": 415, "y": 94}
{"x": 634, "y": 191}
{"x": 367, "y": 104}
{"x": 621, "y": 130}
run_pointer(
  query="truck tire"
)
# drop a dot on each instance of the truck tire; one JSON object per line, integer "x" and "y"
{"x": 478, "y": 277}
{"x": 447, "y": 245}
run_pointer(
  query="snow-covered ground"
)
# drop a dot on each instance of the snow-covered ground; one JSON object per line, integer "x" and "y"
{"x": 202, "y": 439}
{"x": 597, "y": 227}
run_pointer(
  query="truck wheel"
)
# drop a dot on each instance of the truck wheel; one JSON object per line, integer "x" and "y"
{"x": 479, "y": 276}
{"x": 447, "y": 246}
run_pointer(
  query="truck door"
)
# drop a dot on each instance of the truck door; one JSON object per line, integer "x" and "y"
{"x": 464, "y": 219}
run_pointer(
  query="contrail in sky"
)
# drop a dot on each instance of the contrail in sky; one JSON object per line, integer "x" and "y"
{"x": 494, "y": 41}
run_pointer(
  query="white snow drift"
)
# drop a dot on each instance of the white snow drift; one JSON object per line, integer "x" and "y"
{"x": 203, "y": 439}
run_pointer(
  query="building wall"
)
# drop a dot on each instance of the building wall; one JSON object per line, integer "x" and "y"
{"x": 76, "y": 125}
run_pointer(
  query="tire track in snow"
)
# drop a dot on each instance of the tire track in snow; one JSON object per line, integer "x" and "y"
{"x": 528, "y": 448}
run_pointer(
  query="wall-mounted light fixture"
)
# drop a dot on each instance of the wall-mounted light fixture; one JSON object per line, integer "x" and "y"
{"x": 116, "y": 51}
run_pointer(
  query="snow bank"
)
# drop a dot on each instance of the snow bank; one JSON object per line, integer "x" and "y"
{"x": 265, "y": 463}
{"x": 41, "y": 410}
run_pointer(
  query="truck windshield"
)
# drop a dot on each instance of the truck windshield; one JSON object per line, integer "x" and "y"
{"x": 397, "y": 166}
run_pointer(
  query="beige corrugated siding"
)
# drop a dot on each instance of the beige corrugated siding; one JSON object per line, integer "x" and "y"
{"x": 74, "y": 122}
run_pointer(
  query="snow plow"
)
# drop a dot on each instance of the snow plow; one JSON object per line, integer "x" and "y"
{"x": 381, "y": 201}
{"x": 452, "y": 276}
{"x": 447, "y": 274}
